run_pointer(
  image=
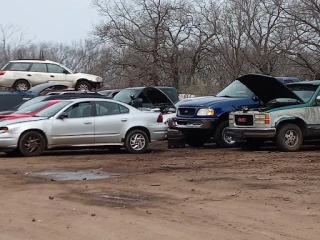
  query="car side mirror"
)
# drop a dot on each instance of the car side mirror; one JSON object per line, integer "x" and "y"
{"x": 63, "y": 115}
{"x": 255, "y": 99}
{"x": 65, "y": 71}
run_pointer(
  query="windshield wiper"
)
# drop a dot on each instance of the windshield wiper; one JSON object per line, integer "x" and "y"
{"x": 226, "y": 96}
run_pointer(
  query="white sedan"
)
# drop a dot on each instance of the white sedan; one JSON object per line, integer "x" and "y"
{"x": 82, "y": 123}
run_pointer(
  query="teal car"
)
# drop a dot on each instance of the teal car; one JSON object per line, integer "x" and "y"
{"x": 287, "y": 115}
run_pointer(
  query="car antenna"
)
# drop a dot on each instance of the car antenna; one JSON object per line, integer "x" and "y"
{"x": 19, "y": 55}
{"x": 41, "y": 56}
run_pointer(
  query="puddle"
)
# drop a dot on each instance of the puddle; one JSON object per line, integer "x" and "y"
{"x": 74, "y": 175}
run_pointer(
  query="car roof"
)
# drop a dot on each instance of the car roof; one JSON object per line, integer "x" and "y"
{"x": 313, "y": 82}
{"x": 34, "y": 61}
{"x": 90, "y": 99}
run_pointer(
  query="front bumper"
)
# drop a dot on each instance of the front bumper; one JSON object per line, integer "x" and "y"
{"x": 96, "y": 85}
{"x": 243, "y": 133}
{"x": 8, "y": 143}
{"x": 194, "y": 124}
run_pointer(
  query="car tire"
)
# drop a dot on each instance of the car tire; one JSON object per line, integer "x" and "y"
{"x": 252, "y": 144}
{"x": 36, "y": 142}
{"x": 21, "y": 85}
{"x": 136, "y": 141}
{"x": 83, "y": 85}
{"x": 196, "y": 141}
{"x": 289, "y": 138}
{"x": 221, "y": 139}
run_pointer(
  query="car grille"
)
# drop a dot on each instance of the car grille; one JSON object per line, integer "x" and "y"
{"x": 186, "y": 112}
{"x": 244, "y": 120}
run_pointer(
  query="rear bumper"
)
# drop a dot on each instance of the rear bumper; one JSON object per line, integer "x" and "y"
{"x": 158, "y": 132}
{"x": 243, "y": 133}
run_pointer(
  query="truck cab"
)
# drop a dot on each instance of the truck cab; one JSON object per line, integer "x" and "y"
{"x": 204, "y": 118}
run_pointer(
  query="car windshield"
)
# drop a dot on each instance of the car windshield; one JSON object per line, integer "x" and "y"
{"x": 124, "y": 95}
{"x": 32, "y": 108}
{"x": 235, "y": 90}
{"x": 52, "y": 110}
{"x": 304, "y": 91}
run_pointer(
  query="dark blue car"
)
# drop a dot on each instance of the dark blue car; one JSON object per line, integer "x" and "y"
{"x": 205, "y": 118}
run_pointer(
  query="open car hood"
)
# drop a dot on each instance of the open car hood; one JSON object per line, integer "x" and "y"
{"x": 47, "y": 87}
{"x": 267, "y": 88}
{"x": 157, "y": 97}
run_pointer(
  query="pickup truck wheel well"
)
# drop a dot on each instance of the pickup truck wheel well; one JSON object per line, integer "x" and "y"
{"x": 297, "y": 121}
{"x": 140, "y": 128}
{"x": 223, "y": 117}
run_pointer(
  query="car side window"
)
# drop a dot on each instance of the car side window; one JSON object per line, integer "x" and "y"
{"x": 19, "y": 66}
{"x": 109, "y": 108}
{"x": 123, "y": 109}
{"x": 80, "y": 110}
{"x": 53, "y": 68}
{"x": 38, "y": 67}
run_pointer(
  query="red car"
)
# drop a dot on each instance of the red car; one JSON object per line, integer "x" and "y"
{"x": 29, "y": 111}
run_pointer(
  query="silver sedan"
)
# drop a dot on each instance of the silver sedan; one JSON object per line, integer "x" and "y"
{"x": 82, "y": 123}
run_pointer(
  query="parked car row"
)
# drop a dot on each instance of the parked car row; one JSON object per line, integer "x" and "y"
{"x": 251, "y": 110}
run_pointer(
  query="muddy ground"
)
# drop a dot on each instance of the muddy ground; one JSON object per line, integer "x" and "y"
{"x": 185, "y": 193}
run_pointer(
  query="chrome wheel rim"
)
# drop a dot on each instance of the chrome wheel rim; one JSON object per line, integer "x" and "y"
{"x": 137, "y": 141}
{"x": 32, "y": 144}
{"x": 22, "y": 87}
{"x": 83, "y": 87}
{"x": 227, "y": 138}
{"x": 291, "y": 138}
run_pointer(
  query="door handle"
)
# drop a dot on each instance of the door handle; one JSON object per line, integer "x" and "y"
{"x": 51, "y": 76}
{"x": 88, "y": 123}
{"x": 29, "y": 75}
{"x": 124, "y": 120}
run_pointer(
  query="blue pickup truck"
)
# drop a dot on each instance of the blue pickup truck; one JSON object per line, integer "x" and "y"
{"x": 204, "y": 118}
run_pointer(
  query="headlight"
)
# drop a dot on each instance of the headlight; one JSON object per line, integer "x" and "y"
{"x": 4, "y": 129}
{"x": 205, "y": 112}
{"x": 262, "y": 118}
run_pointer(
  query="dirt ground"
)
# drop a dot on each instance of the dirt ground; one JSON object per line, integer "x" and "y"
{"x": 184, "y": 194}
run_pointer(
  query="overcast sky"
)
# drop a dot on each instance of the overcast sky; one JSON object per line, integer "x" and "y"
{"x": 50, "y": 20}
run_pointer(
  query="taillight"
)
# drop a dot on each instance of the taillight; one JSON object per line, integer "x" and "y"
{"x": 2, "y": 72}
{"x": 160, "y": 118}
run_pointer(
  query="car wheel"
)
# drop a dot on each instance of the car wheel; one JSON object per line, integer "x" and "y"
{"x": 136, "y": 141}
{"x": 222, "y": 139}
{"x": 253, "y": 144}
{"x": 289, "y": 138}
{"x": 21, "y": 85}
{"x": 196, "y": 140}
{"x": 83, "y": 85}
{"x": 31, "y": 144}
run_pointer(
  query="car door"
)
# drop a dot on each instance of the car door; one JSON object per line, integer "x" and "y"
{"x": 110, "y": 122}
{"x": 59, "y": 74}
{"x": 77, "y": 127}
{"x": 38, "y": 74}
